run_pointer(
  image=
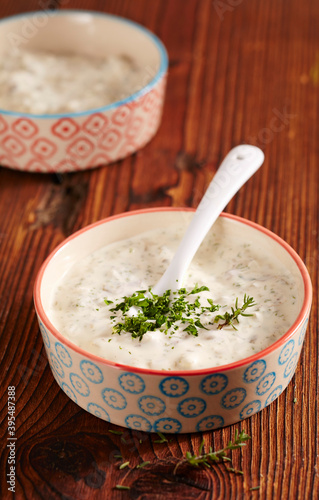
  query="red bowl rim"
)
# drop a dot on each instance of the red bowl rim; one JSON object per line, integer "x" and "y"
{"x": 305, "y": 309}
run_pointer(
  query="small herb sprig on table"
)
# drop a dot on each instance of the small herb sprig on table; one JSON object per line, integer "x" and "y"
{"x": 164, "y": 311}
{"x": 215, "y": 456}
{"x": 202, "y": 459}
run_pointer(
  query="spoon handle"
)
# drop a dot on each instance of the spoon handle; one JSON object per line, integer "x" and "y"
{"x": 237, "y": 167}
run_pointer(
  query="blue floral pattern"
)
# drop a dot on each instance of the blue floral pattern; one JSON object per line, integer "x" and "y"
{"x": 151, "y": 405}
{"x": 233, "y": 398}
{"x": 265, "y": 383}
{"x": 191, "y": 407}
{"x": 68, "y": 391}
{"x": 174, "y": 387}
{"x": 291, "y": 365}
{"x": 286, "y": 352}
{"x": 274, "y": 395}
{"x": 56, "y": 366}
{"x": 91, "y": 372}
{"x": 98, "y": 411}
{"x": 171, "y": 425}
{"x": 214, "y": 384}
{"x": 114, "y": 399}
{"x": 45, "y": 335}
{"x": 138, "y": 423}
{"x": 79, "y": 384}
{"x": 250, "y": 409}
{"x": 130, "y": 382}
{"x": 254, "y": 371}
{"x": 303, "y": 332}
{"x": 209, "y": 423}
{"x": 63, "y": 355}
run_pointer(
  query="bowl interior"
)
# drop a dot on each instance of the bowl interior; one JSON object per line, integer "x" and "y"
{"x": 124, "y": 226}
{"x": 84, "y": 32}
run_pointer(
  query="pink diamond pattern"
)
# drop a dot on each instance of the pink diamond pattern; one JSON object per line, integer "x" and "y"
{"x": 65, "y": 128}
{"x": 13, "y": 145}
{"x": 8, "y": 161}
{"x": 121, "y": 115}
{"x": 95, "y": 124}
{"x": 110, "y": 139}
{"x": 3, "y": 125}
{"x": 66, "y": 165}
{"x": 127, "y": 149}
{"x": 80, "y": 148}
{"x": 151, "y": 100}
{"x": 134, "y": 127}
{"x": 43, "y": 148}
{"x": 79, "y": 142}
{"x": 100, "y": 159}
{"x": 25, "y": 128}
{"x": 38, "y": 165}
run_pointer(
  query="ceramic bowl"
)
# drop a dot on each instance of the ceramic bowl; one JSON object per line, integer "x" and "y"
{"x": 167, "y": 401}
{"x": 82, "y": 140}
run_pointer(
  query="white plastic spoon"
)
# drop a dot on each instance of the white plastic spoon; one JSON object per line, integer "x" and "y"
{"x": 237, "y": 167}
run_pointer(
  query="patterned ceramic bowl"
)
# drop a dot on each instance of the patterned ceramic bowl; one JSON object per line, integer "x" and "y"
{"x": 82, "y": 140}
{"x": 167, "y": 401}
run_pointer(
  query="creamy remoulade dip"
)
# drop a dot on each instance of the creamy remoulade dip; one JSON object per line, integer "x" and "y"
{"x": 228, "y": 264}
{"x": 42, "y": 82}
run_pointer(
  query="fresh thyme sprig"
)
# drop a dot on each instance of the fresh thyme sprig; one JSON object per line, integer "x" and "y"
{"x": 166, "y": 311}
{"x": 214, "y": 456}
{"x": 236, "y": 311}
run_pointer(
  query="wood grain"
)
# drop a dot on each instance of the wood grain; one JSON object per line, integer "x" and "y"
{"x": 240, "y": 71}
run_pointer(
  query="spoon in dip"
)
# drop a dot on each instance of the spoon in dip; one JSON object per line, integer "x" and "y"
{"x": 237, "y": 167}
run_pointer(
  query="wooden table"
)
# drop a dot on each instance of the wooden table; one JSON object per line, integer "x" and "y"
{"x": 241, "y": 71}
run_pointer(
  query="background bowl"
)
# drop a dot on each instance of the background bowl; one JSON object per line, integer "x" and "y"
{"x": 77, "y": 141}
{"x": 179, "y": 401}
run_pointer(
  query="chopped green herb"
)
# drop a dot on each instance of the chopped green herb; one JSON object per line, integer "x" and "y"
{"x": 164, "y": 311}
{"x": 122, "y": 487}
{"x": 115, "y": 432}
{"x": 254, "y": 488}
{"x": 125, "y": 464}
{"x": 108, "y": 302}
{"x": 143, "y": 464}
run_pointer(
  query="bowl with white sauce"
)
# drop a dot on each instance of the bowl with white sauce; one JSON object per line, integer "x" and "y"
{"x": 220, "y": 349}
{"x": 78, "y": 89}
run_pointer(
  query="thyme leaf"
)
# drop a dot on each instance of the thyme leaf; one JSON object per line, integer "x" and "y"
{"x": 206, "y": 459}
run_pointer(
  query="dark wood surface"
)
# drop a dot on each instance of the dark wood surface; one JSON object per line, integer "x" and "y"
{"x": 240, "y": 71}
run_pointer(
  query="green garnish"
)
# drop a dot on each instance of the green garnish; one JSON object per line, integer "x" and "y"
{"x": 229, "y": 318}
{"x": 122, "y": 487}
{"x": 143, "y": 464}
{"x": 125, "y": 464}
{"x": 162, "y": 312}
{"x": 107, "y": 302}
{"x": 215, "y": 456}
{"x": 162, "y": 438}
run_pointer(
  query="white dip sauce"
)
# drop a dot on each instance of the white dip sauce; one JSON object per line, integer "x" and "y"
{"x": 228, "y": 264}
{"x": 41, "y": 82}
